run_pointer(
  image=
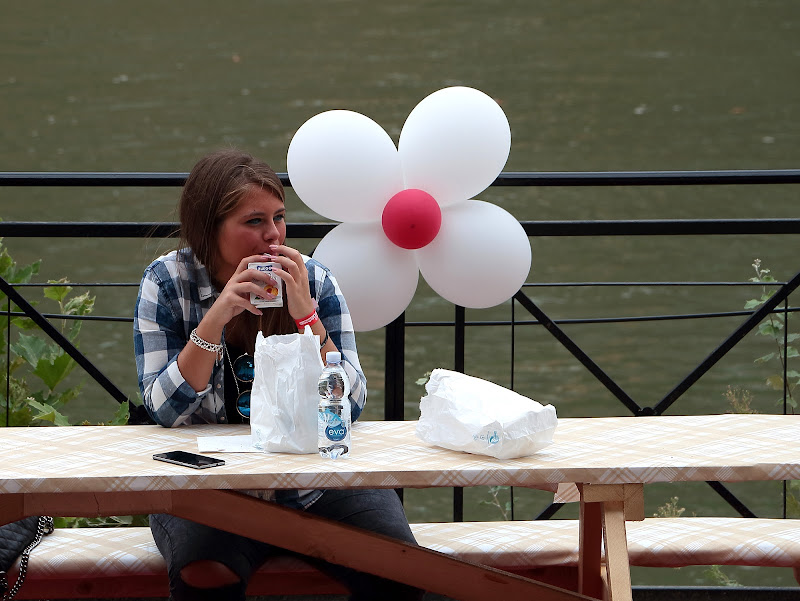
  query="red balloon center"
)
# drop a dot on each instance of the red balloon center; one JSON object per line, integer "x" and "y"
{"x": 411, "y": 219}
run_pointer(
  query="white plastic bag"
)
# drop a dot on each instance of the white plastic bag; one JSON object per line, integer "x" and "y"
{"x": 283, "y": 402}
{"x": 469, "y": 414}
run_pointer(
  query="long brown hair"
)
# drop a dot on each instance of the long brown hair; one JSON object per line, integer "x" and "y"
{"x": 214, "y": 188}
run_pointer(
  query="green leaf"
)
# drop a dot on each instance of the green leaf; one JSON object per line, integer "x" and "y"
{"x": 120, "y": 415}
{"x": 770, "y": 329}
{"x": 52, "y": 371}
{"x": 24, "y": 323}
{"x": 57, "y": 293}
{"x": 59, "y": 399}
{"x": 792, "y": 337}
{"x": 792, "y": 352}
{"x": 31, "y": 348}
{"x": 6, "y": 264}
{"x": 19, "y": 416}
{"x": 792, "y": 373}
{"x": 73, "y": 330}
{"x": 24, "y": 274}
{"x": 753, "y": 303}
{"x": 775, "y": 382}
{"x": 764, "y": 358}
{"x": 789, "y": 401}
{"x": 48, "y": 413}
{"x": 79, "y": 305}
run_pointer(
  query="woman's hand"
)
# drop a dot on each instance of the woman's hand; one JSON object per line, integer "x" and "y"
{"x": 235, "y": 296}
{"x": 294, "y": 274}
{"x": 196, "y": 364}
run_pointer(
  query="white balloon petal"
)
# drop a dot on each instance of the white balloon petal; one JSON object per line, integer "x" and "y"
{"x": 480, "y": 258}
{"x": 454, "y": 144}
{"x": 344, "y": 166}
{"x": 377, "y": 278}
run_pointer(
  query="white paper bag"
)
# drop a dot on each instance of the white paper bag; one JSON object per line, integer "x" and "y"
{"x": 283, "y": 402}
{"x": 469, "y": 414}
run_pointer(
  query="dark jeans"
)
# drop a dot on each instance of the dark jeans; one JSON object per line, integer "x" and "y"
{"x": 182, "y": 542}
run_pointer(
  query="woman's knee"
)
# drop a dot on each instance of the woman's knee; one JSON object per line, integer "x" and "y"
{"x": 208, "y": 574}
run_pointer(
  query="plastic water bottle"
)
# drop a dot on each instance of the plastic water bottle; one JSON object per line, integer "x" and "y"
{"x": 333, "y": 417}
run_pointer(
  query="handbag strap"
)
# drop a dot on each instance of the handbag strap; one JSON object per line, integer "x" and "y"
{"x": 44, "y": 527}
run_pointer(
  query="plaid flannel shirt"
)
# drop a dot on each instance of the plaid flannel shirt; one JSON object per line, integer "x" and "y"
{"x": 174, "y": 294}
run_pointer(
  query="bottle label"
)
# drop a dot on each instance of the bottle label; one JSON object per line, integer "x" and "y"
{"x": 335, "y": 429}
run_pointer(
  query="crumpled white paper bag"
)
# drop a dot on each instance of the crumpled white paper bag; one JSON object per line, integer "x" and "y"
{"x": 284, "y": 399}
{"x": 464, "y": 413}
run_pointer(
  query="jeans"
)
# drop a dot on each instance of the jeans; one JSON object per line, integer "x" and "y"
{"x": 182, "y": 542}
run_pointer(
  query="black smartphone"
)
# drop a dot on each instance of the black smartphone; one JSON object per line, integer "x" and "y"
{"x": 198, "y": 462}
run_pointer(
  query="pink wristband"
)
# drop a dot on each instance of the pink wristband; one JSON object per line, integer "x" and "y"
{"x": 309, "y": 320}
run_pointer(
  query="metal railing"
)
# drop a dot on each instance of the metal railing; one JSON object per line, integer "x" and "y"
{"x": 534, "y": 315}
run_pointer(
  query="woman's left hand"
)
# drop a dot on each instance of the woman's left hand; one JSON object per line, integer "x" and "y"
{"x": 294, "y": 274}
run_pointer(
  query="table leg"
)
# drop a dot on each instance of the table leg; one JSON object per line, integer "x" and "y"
{"x": 614, "y": 503}
{"x": 590, "y": 581}
{"x": 359, "y": 549}
{"x": 618, "y": 567}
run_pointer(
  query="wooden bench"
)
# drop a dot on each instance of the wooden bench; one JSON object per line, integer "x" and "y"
{"x": 124, "y": 562}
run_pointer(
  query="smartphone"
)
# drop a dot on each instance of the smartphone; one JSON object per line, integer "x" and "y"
{"x": 198, "y": 462}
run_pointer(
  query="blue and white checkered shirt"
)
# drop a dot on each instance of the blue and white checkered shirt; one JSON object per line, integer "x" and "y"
{"x": 175, "y": 293}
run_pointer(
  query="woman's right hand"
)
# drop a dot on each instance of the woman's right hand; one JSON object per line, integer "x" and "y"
{"x": 235, "y": 296}
{"x": 195, "y": 363}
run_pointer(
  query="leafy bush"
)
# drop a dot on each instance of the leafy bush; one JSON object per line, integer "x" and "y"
{"x": 33, "y": 389}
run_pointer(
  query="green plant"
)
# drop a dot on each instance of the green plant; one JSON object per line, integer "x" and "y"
{"x": 115, "y": 521}
{"x": 720, "y": 578}
{"x": 33, "y": 390}
{"x": 669, "y": 509}
{"x": 739, "y": 399}
{"x": 494, "y": 501}
{"x": 793, "y": 499}
{"x": 424, "y": 379}
{"x": 773, "y": 327}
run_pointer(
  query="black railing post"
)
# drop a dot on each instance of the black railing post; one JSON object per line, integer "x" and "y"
{"x": 460, "y": 338}
{"x": 459, "y": 363}
{"x": 8, "y": 362}
{"x": 394, "y": 373}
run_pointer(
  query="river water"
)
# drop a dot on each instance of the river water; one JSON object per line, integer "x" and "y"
{"x": 589, "y": 86}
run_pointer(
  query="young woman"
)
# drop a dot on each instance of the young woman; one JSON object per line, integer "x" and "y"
{"x": 195, "y": 330}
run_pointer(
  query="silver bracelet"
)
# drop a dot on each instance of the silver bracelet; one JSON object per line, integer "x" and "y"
{"x": 206, "y": 345}
{"x": 324, "y": 340}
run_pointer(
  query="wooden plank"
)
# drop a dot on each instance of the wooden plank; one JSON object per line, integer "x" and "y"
{"x": 590, "y": 581}
{"x": 632, "y": 495}
{"x": 359, "y": 549}
{"x": 12, "y": 508}
{"x": 87, "y": 504}
{"x": 618, "y": 568}
{"x": 596, "y": 493}
{"x": 634, "y": 502}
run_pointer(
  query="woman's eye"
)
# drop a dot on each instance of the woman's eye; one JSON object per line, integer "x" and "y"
{"x": 254, "y": 221}
{"x": 279, "y": 217}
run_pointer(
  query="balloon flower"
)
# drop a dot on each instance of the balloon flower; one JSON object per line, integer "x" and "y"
{"x": 408, "y": 209}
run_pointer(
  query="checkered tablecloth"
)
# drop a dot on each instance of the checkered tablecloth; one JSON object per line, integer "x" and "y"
{"x": 388, "y": 454}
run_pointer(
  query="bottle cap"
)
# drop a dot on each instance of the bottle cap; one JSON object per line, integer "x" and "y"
{"x": 333, "y": 357}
